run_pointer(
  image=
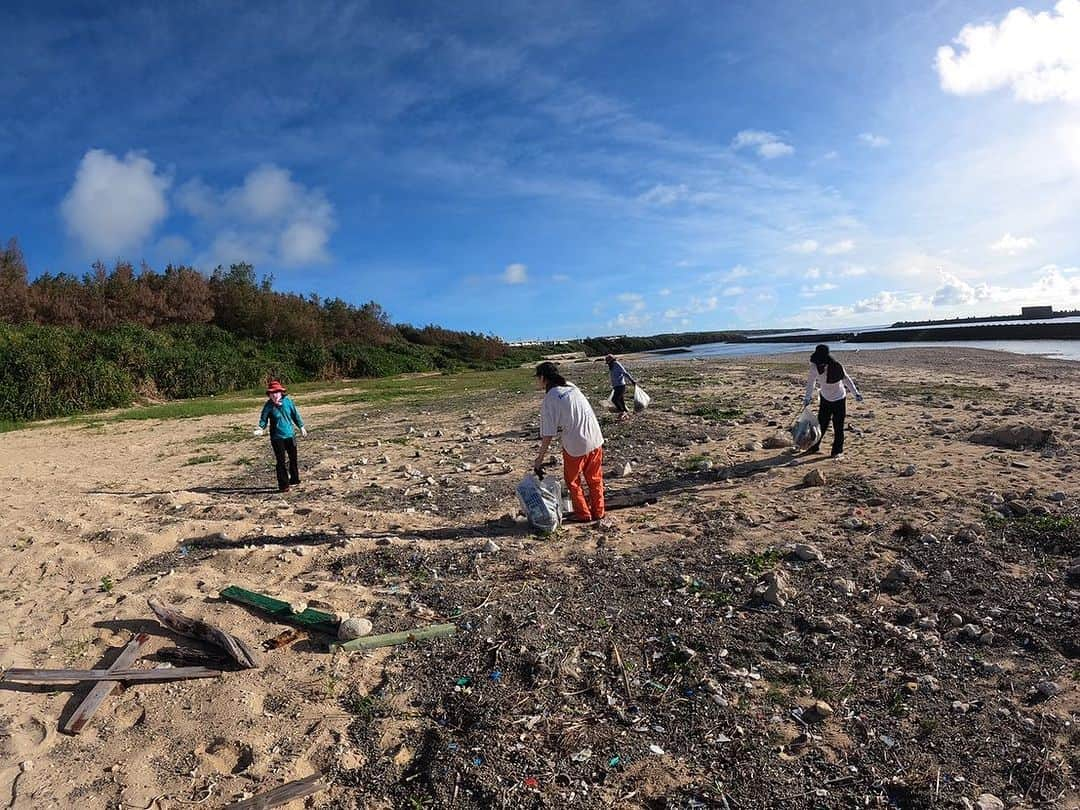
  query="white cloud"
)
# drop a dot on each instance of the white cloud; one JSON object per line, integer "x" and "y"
{"x": 810, "y": 290}
{"x": 115, "y": 204}
{"x": 515, "y": 274}
{"x": 269, "y": 217}
{"x": 872, "y": 140}
{"x": 738, "y": 271}
{"x": 173, "y": 249}
{"x": 767, "y": 144}
{"x": 1036, "y": 55}
{"x": 955, "y": 292}
{"x": 1012, "y": 244}
{"x": 806, "y": 246}
{"x": 853, "y": 270}
{"x": 885, "y": 301}
{"x": 560, "y": 278}
{"x": 665, "y": 292}
{"x": 843, "y": 246}
{"x": 813, "y": 272}
{"x": 661, "y": 194}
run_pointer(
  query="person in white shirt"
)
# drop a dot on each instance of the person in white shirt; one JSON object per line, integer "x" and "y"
{"x": 827, "y": 374}
{"x": 565, "y": 408}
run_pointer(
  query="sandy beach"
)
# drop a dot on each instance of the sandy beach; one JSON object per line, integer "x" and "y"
{"x": 906, "y": 634}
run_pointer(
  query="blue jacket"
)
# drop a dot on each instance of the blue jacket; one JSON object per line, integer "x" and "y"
{"x": 281, "y": 418}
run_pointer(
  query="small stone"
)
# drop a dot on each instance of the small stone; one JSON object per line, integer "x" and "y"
{"x": 807, "y": 552}
{"x": 851, "y": 523}
{"x": 1048, "y": 689}
{"x": 752, "y": 445}
{"x": 491, "y": 547}
{"x": 955, "y": 620}
{"x": 908, "y": 471}
{"x": 900, "y": 574}
{"x": 1056, "y": 497}
{"x": 814, "y": 478}
{"x": 773, "y": 588}
{"x": 778, "y": 441}
{"x": 988, "y": 801}
{"x": 26, "y": 765}
{"x": 626, "y": 470}
{"x": 353, "y": 628}
{"x": 845, "y": 586}
{"x": 822, "y": 710}
{"x": 475, "y": 490}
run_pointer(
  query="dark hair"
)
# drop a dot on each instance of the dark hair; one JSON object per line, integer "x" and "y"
{"x": 549, "y": 373}
{"x": 820, "y": 355}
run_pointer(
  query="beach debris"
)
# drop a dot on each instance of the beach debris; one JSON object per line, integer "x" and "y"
{"x": 844, "y": 586}
{"x": 774, "y": 588}
{"x": 491, "y": 547}
{"x": 988, "y": 801}
{"x": 899, "y": 575}
{"x": 752, "y": 445}
{"x": 908, "y": 471}
{"x": 807, "y": 552}
{"x": 1014, "y": 437}
{"x": 778, "y": 441}
{"x": 19, "y": 675}
{"x": 393, "y": 639}
{"x": 353, "y": 628}
{"x": 284, "y": 794}
{"x": 280, "y": 640}
{"x": 307, "y": 618}
{"x": 626, "y": 470}
{"x": 806, "y": 431}
{"x": 92, "y": 702}
{"x": 541, "y": 498}
{"x": 814, "y": 478}
{"x": 176, "y": 621}
{"x": 1048, "y": 689}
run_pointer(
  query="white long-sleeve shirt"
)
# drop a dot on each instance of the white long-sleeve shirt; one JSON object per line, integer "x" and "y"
{"x": 832, "y": 391}
{"x": 566, "y": 408}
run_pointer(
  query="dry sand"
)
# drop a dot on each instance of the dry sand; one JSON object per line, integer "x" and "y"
{"x": 97, "y": 518}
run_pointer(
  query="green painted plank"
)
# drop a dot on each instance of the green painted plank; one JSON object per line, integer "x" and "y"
{"x": 310, "y": 619}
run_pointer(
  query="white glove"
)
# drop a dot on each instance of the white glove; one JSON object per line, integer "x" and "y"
{"x": 303, "y": 432}
{"x": 258, "y": 432}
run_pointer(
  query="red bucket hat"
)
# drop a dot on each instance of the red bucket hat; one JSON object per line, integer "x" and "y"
{"x": 275, "y": 388}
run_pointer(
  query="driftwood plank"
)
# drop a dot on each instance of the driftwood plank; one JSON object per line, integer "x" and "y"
{"x": 309, "y": 618}
{"x": 280, "y": 795}
{"x": 122, "y": 675}
{"x": 392, "y": 639}
{"x": 90, "y": 704}
{"x": 628, "y": 499}
{"x": 195, "y": 628}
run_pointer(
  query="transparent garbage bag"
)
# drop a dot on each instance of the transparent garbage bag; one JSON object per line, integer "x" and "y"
{"x": 806, "y": 431}
{"x": 541, "y": 498}
{"x": 641, "y": 399}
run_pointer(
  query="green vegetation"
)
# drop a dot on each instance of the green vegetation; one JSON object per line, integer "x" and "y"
{"x": 717, "y": 413}
{"x": 107, "y": 584}
{"x": 760, "y": 563}
{"x": 209, "y": 458}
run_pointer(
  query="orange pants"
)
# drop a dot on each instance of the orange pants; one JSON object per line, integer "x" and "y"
{"x": 591, "y": 466}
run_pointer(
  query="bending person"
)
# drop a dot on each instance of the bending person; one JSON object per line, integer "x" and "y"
{"x": 827, "y": 374}
{"x": 619, "y": 378}
{"x": 565, "y": 408}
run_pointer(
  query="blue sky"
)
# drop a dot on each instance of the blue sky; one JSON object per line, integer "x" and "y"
{"x": 564, "y": 168}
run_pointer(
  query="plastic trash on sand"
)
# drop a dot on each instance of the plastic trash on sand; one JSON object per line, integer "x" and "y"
{"x": 609, "y": 403}
{"x": 641, "y": 399}
{"x": 806, "y": 432}
{"x": 541, "y": 498}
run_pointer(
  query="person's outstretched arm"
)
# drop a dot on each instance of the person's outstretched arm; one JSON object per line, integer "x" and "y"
{"x": 810, "y": 380}
{"x": 850, "y": 385}
{"x": 263, "y": 417}
{"x": 295, "y": 416}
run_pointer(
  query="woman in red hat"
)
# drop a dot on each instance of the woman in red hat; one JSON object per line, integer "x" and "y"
{"x": 281, "y": 414}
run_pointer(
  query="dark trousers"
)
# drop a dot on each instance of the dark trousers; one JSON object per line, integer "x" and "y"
{"x": 834, "y": 411}
{"x": 292, "y": 474}
{"x": 619, "y": 398}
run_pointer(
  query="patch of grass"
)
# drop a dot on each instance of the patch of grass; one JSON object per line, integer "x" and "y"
{"x": 756, "y": 564}
{"x": 936, "y": 393}
{"x": 717, "y": 413}
{"x": 75, "y": 650}
{"x": 233, "y": 434}
{"x": 205, "y": 459}
{"x": 107, "y": 584}
{"x": 245, "y": 462}
{"x": 819, "y": 686}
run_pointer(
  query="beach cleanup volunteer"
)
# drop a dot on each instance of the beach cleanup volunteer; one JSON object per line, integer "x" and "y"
{"x": 281, "y": 414}
{"x": 827, "y": 374}
{"x": 619, "y": 378}
{"x": 565, "y": 408}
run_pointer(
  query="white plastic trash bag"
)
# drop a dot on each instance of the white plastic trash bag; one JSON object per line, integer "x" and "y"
{"x": 609, "y": 403}
{"x": 806, "y": 432}
{"x": 541, "y": 498}
{"x": 641, "y": 399}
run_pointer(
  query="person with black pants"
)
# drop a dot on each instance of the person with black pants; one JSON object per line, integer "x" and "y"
{"x": 281, "y": 414}
{"x": 619, "y": 378}
{"x": 827, "y": 374}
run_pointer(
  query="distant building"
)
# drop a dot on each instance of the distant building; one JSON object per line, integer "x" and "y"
{"x": 1036, "y": 312}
